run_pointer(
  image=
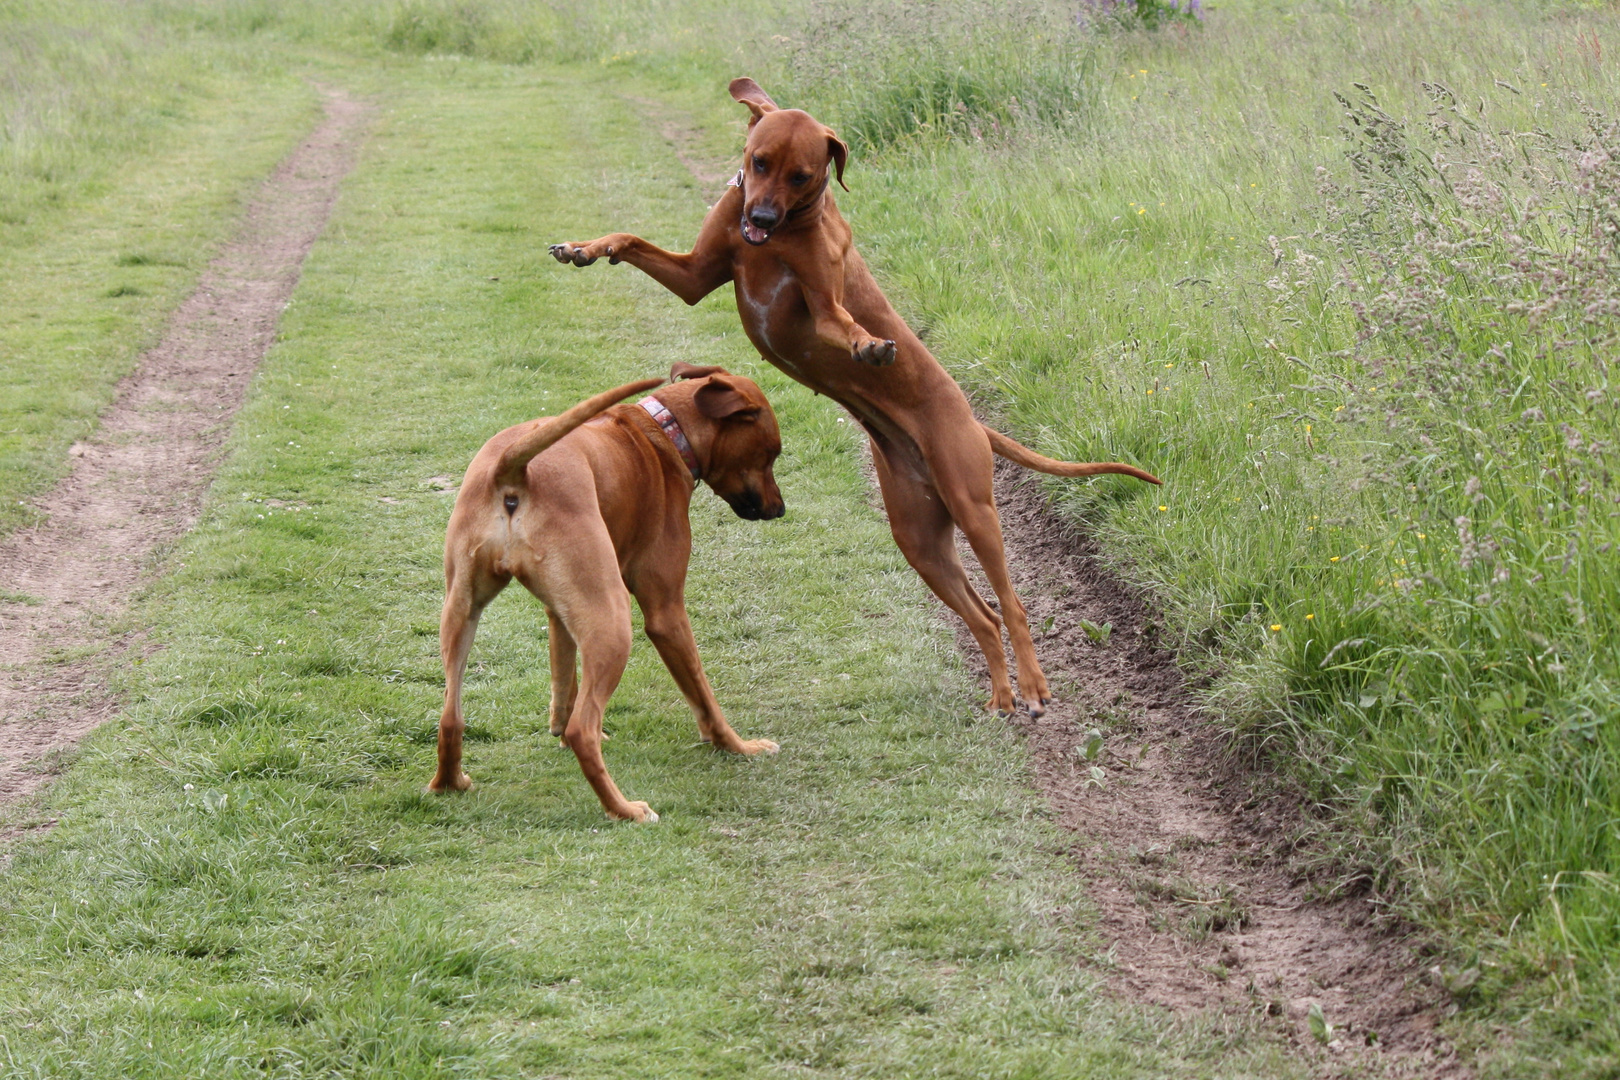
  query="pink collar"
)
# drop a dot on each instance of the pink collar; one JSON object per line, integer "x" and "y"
{"x": 666, "y": 420}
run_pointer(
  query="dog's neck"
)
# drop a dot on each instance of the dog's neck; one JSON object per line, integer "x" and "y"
{"x": 672, "y": 427}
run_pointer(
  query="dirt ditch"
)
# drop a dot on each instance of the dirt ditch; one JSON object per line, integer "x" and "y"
{"x": 1198, "y": 908}
{"x": 138, "y": 482}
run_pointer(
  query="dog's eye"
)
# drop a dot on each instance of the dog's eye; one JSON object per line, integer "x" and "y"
{"x": 759, "y": 164}
{"x": 799, "y": 179}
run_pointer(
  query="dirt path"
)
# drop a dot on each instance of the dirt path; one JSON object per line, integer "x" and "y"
{"x": 139, "y": 482}
{"x": 1189, "y": 872}
{"x": 1200, "y": 914}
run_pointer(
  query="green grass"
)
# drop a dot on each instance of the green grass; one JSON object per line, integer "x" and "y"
{"x": 1119, "y": 241}
{"x": 246, "y": 877}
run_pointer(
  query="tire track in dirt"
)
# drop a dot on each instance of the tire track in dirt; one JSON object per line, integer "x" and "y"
{"x": 139, "y": 482}
{"x": 1188, "y": 869}
{"x": 1187, "y": 861}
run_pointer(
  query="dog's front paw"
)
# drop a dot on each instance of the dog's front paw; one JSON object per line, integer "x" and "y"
{"x": 578, "y": 254}
{"x": 873, "y": 351}
{"x": 750, "y": 747}
{"x": 639, "y": 812}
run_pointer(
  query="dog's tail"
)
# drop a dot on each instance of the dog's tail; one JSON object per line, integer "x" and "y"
{"x": 1029, "y": 459}
{"x": 540, "y": 434}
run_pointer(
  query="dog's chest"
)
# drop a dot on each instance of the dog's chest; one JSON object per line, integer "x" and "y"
{"x": 770, "y": 305}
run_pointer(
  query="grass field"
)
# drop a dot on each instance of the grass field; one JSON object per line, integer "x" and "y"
{"x": 246, "y": 877}
{"x": 1367, "y": 342}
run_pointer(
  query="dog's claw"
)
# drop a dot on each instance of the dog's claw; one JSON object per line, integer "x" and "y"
{"x": 571, "y": 253}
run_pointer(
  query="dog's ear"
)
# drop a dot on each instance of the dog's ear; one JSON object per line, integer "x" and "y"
{"x": 758, "y": 101}
{"x": 838, "y": 151}
{"x": 719, "y": 399}
{"x": 680, "y": 369}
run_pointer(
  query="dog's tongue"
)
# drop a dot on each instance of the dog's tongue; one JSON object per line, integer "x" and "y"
{"x": 753, "y": 234}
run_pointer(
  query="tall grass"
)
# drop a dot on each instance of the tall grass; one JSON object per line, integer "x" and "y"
{"x": 1344, "y": 275}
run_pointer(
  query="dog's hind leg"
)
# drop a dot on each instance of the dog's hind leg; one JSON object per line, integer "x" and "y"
{"x": 926, "y": 534}
{"x": 965, "y": 482}
{"x": 468, "y": 590}
{"x": 601, "y": 626}
{"x": 564, "y": 673}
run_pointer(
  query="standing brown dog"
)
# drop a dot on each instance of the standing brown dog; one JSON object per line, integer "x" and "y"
{"x": 809, "y": 304}
{"x": 580, "y": 517}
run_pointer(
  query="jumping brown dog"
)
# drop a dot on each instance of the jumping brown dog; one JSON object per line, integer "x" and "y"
{"x": 581, "y": 508}
{"x": 810, "y": 305}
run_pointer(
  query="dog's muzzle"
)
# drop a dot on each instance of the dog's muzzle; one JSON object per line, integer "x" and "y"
{"x": 751, "y": 507}
{"x": 758, "y": 223}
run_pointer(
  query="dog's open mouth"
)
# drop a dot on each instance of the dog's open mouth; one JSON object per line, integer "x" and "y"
{"x": 753, "y": 233}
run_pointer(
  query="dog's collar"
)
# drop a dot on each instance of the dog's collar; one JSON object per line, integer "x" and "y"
{"x": 666, "y": 420}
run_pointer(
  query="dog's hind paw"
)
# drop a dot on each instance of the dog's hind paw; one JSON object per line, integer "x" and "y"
{"x": 639, "y": 812}
{"x": 874, "y": 352}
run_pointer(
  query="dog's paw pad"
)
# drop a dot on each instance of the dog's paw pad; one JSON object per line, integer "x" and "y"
{"x": 876, "y": 353}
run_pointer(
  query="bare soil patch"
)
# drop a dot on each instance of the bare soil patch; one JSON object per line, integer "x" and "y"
{"x": 1188, "y": 861}
{"x": 138, "y": 484}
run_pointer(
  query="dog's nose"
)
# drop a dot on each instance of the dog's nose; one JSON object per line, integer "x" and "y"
{"x": 763, "y": 217}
